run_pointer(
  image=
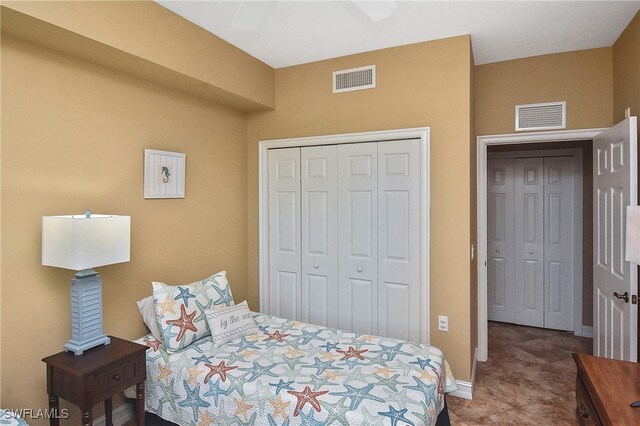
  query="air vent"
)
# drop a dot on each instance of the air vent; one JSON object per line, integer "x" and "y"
{"x": 545, "y": 116}
{"x": 354, "y": 79}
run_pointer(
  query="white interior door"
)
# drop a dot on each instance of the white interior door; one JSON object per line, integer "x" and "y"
{"x": 319, "y": 235}
{"x": 358, "y": 237}
{"x": 529, "y": 243}
{"x": 614, "y": 188}
{"x": 399, "y": 239}
{"x": 559, "y": 218}
{"x": 500, "y": 241}
{"x": 284, "y": 232}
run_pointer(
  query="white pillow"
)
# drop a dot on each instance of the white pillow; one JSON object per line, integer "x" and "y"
{"x": 148, "y": 313}
{"x": 231, "y": 323}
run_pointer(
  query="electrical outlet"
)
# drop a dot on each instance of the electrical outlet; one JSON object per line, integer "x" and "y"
{"x": 443, "y": 323}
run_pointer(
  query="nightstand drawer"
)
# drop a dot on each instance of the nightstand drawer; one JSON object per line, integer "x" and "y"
{"x": 121, "y": 376}
{"x": 95, "y": 376}
{"x": 584, "y": 407}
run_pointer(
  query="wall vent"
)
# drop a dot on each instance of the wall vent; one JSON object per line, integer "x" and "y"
{"x": 354, "y": 79}
{"x": 544, "y": 116}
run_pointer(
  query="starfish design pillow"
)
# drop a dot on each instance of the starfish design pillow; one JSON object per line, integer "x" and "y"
{"x": 180, "y": 310}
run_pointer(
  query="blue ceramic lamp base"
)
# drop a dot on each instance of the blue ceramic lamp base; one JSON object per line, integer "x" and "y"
{"x": 86, "y": 313}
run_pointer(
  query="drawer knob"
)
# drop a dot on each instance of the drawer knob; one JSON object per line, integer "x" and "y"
{"x": 583, "y": 411}
{"x": 116, "y": 377}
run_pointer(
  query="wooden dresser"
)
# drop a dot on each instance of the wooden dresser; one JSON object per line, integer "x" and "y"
{"x": 604, "y": 390}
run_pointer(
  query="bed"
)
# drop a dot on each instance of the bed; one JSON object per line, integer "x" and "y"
{"x": 293, "y": 373}
{"x": 11, "y": 418}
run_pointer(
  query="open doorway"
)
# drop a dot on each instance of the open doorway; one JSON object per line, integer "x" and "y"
{"x": 559, "y": 140}
{"x": 539, "y": 235}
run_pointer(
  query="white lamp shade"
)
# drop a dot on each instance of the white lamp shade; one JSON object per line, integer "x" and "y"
{"x": 632, "y": 251}
{"x": 78, "y": 242}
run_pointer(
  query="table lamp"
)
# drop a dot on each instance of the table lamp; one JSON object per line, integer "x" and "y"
{"x": 80, "y": 243}
{"x": 632, "y": 246}
{"x": 632, "y": 250}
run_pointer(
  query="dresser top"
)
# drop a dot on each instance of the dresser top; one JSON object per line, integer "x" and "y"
{"x": 613, "y": 385}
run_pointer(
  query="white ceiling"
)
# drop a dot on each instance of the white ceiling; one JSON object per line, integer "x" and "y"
{"x": 294, "y": 32}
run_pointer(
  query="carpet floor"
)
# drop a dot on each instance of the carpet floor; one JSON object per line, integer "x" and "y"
{"x": 529, "y": 379}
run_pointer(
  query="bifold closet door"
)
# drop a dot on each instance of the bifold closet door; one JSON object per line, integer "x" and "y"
{"x": 559, "y": 219}
{"x": 284, "y": 233}
{"x": 500, "y": 241}
{"x": 399, "y": 239}
{"x": 320, "y": 235}
{"x": 358, "y": 237}
{"x": 529, "y": 241}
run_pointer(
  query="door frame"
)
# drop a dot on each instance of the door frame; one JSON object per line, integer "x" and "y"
{"x": 421, "y": 133}
{"x": 578, "y": 189}
{"x": 483, "y": 142}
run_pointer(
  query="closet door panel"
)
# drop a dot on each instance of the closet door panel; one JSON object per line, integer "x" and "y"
{"x": 529, "y": 241}
{"x": 500, "y": 240}
{"x": 399, "y": 239}
{"x": 559, "y": 242}
{"x": 284, "y": 232}
{"x": 357, "y": 238}
{"x": 319, "y": 235}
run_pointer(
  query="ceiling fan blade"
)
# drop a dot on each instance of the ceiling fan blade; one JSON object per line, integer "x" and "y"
{"x": 377, "y": 10}
{"x": 250, "y": 14}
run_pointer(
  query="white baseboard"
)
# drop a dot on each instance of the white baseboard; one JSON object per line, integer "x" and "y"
{"x": 465, "y": 389}
{"x": 587, "y": 331}
{"x": 120, "y": 416}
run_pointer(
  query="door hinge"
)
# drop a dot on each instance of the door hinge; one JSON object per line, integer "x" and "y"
{"x": 634, "y": 299}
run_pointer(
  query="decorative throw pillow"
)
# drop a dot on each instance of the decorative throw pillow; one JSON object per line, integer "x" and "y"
{"x": 148, "y": 312}
{"x": 231, "y": 323}
{"x": 180, "y": 309}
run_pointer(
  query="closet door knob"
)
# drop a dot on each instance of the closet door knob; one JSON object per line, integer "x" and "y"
{"x": 497, "y": 250}
{"x": 316, "y": 266}
{"x": 359, "y": 269}
{"x": 530, "y": 251}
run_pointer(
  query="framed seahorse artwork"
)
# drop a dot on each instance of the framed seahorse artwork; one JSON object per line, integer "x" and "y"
{"x": 164, "y": 174}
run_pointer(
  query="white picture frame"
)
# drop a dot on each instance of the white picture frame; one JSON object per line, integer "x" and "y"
{"x": 164, "y": 174}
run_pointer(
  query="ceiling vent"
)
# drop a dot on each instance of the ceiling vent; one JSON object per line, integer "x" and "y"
{"x": 354, "y": 79}
{"x": 545, "y": 116}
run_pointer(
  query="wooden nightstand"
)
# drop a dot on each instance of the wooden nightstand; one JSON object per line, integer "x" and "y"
{"x": 604, "y": 390}
{"x": 96, "y": 376}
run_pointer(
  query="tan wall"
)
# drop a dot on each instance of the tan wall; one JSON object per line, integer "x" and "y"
{"x": 73, "y": 135}
{"x": 626, "y": 71}
{"x": 583, "y": 79}
{"x": 147, "y": 40}
{"x": 425, "y": 84}
{"x": 473, "y": 312}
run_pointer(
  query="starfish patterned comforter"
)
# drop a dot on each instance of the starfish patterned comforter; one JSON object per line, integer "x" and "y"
{"x": 293, "y": 373}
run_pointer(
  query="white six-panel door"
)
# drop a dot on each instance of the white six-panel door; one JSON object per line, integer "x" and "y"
{"x": 358, "y": 237}
{"x": 559, "y": 242}
{"x": 344, "y": 236}
{"x": 320, "y": 235}
{"x": 614, "y": 188}
{"x": 500, "y": 241}
{"x": 284, "y": 232}
{"x": 399, "y": 240}
{"x": 529, "y": 242}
